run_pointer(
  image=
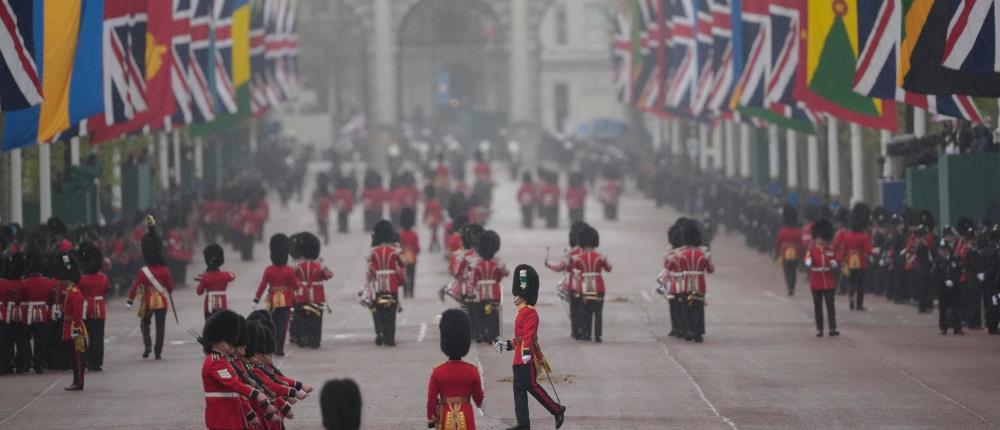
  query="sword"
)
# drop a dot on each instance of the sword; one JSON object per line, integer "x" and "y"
{"x": 170, "y": 296}
{"x": 551, "y": 384}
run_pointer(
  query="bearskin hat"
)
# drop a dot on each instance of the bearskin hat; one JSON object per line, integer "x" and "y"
{"x": 526, "y": 177}
{"x": 456, "y": 333}
{"x": 994, "y": 234}
{"x": 525, "y": 283}
{"x": 926, "y": 219}
{"x": 488, "y": 244}
{"x": 790, "y": 215}
{"x": 254, "y": 333}
{"x": 214, "y": 255}
{"x": 309, "y": 246}
{"x": 880, "y": 215}
{"x": 470, "y": 235}
{"x": 57, "y": 227}
{"x": 691, "y": 232}
{"x": 35, "y": 261}
{"x": 91, "y": 258}
{"x": 222, "y": 326}
{"x": 574, "y": 233}
{"x": 15, "y": 267}
{"x": 295, "y": 245}
{"x": 966, "y": 227}
{"x": 576, "y": 180}
{"x": 861, "y": 216}
{"x": 674, "y": 237}
{"x": 948, "y": 231}
{"x": 383, "y": 233}
{"x": 812, "y": 213}
{"x": 842, "y": 217}
{"x": 459, "y": 222}
{"x": 457, "y": 206}
{"x": 279, "y": 249}
{"x": 372, "y": 179}
{"x": 340, "y": 402}
{"x": 429, "y": 192}
{"x": 407, "y": 218}
{"x": 152, "y": 245}
{"x": 241, "y": 339}
{"x": 66, "y": 267}
{"x": 822, "y": 229}
{"x": 266, "y": 343}
{"x": 589, "y": 238}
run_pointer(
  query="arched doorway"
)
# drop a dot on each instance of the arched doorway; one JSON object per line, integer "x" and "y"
{"x": 453, "y": 69}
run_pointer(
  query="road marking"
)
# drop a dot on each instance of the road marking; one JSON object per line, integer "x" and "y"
{"x": 928, "y": 388}
{"x": 33, "y": 399}
{"x": 646, "y": 296}
{"x": 423, "y": 332}
{"x": 775, "y": 297}
{"x": 701, "y": 393}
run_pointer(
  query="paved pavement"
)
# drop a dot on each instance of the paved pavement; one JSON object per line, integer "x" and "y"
{"x": 760, "y": 366}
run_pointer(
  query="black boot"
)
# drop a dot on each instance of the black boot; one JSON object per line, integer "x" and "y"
{"x": 561, "y": 416}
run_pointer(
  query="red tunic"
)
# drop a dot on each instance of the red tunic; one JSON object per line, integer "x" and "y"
{"x": 344, "y": 199}
{"x": 459, "y": 382}
{"x": 482, "y": 171}
{"x": 94, "y": 286}
{"x": 213, "y": 284}
{"x": 454, "y": 242}
{"x": 576, "y": 197}
{"x": 432, "y": 213}
{"x": 611, "y": 191}
{"x": 177, "y": 246}
{"x": 72, "y": 311}
{"x": 590, "y": 264}
{"x": 311, "y": 275}
{"x": 788, "y": 243}
{"x": 323, "y": 203}
{"x": 281, "y": 283}
{"x": 486, "y": 277}
{"x": 526, "y": 195}
{"x": 690, "y": 266}
{"x": 855, "y": 247}
{"x": 667, "y": 277}
{"x": 385, "y": 269}
{"x": 410, "y": 195}
{"x": 152, "y": 298}
{"x": 373, "y": 198}
{"x": 410, "y": 242}
{"x": 525, "y": 334}
{"x": 821, "y": 260}
{"x": 35, "y": 293}
{"x": 395, "y": 198}
{"x": 549, "y": 194}
{"x": 569, "y": 282}
{"x": 8, "y": 301}
{"x": 225, "y": 394}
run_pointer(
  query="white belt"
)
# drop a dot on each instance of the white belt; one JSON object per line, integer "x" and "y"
{"x": 821, "y": 269}
{"x": 692, "y": 273}
{"x": 216, "y": 293}
{"x": 590, "y": 275}
{"x": 99, "y": 298}
{"x": 384, "y": 272}
{"x": 222, "y": 395}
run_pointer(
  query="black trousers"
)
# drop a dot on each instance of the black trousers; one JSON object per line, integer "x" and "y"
{"x": 552, "y": 217}
{"x": 245, "y": 245}
{"x": 675, "y": 314}
{"x": 24, "y": 354}
{"x": 526, "y": 381}
{"x": 77, "y": 366}
{"x": 385, "y": 322}
{"x": 491, "y": 321}
{"x": 342, "y": 217}
{"x": 280, "y": 317}
{"x": 819, "y": 298}
{"x": 992, "y": 308}
{"x": 6, "y": 348}
{"x": 294, "y": 324}
{"x": 790, "y": 267}
{"x": 857, "y": 288}
{"x": 527, "y": 216}
{"x": 60, "y": 355}
{"x": 475, "y": 311}
{"x": 696, "y": 316}
{"x": 94, "y": 356}
{"x": 310, "y": 329}
{"x": 574, "y": 317}
{"x": 949, "y": 311}
{"x": 924, "y": 289}
{"x": 611, "y": 211}
{"x": 593, "y": 317}
{"x": 371, "y": 217}
{"x": 972, "y": 300}
{"x": 160, "y": 315}
{"x": 411, "y": 276}
{"x": 682, "y": 314}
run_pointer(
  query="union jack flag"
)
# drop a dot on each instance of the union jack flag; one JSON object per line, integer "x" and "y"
{"x": 878, "y": 74}
{"x": 704, "y": 58}
{"x": 181, "y": 50}
{"x": 681, "y": 62}
{"x": 273, "y": 11}
{"x": 756, "y": 46}
{"x": 971, "y": 43}
{"x": 222, "y": 26}
{"x": 200, "y": 67}
{"x": 785, "y": 28}
{"x": 621, "y": 56}
{"x": 649, "y": 82}
{"x": 284, "y": 49}
{"x": 20, "y": 86}
{"x": 258, "y": 64}
{"x": 124, "y": 61}
{"x": 722, "y": 55}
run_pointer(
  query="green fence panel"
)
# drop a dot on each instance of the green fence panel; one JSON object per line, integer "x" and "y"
{"x": 922, "y": 189}
{"x": 968, "y": 184}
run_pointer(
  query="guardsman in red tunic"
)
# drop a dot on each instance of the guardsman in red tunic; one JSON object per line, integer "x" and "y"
{"x": 455, "y": 384}
{"x": 854, "y": 251}
{"x": 610, "y": 193}
{"x": 312, "y": 273}
{"x": 841, "y": 224}
{"x": 213, "y": 282}
{"x": 527, "y": 197}
{"x": 822, "y": 263}
{"x": 94, "y": 284}
{"x": 432, "y": 217}
{"x": 691, "y": 264}
{"x": 590, "y": 264}
{"x": 568, "y": 284}
{"x": 409, "y": 241}
{"x": 386, "y": 272}
{"x": 548, "y": 192}
{"x": 227, "y": 398}
{"x": 670, "y": 285}
{"x": 463, "y": 290}
{"x": 788, "y": 246}
{"x": 322, "y": 203}
{"x": 35, "y": 295}
{"x": 179, "y": 252}
{"x": 73, "y": 329}
{"x": 528, "y": 357}
{"x": 486, "y": 278}
{"x": 280, "y": 282}
{"x": 373, "y": 199}
{"x": 156, "y": 284}
{"x": 8, "y": 302}
{"x": 343, "y": 199}
{"x": 576, "y": 197}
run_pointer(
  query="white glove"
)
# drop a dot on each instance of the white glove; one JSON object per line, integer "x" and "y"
{"x": 981, "y": 277}
{"x": 502, "y": 345}
{"x": 833, "y": 264}
{"x": 661, "y": 291}
{"x": 56, "y": 314}
{"x": 526, "y": 358}
{"x": 809, "y": 262}
{"x": 881, "y": 263}
{"x": 876, "y": 250}
{"x": 128, "y": 305}
{"x": 949, "y": 284}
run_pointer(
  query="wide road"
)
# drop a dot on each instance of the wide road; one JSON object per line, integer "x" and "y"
{"x": 760, "y": 366}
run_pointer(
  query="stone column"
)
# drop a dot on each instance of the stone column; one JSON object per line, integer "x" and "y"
{"x": 523, "y": 95}
{"x": 383, "y": 81}
{"x": 919, "y": 122}
{"x": 74, "y": 151}
{"x": 116, "y": 183}
{"x": 176, "y": 146}
{"x": 857, "y": 166}
{"x": 44, "y": 181}
{"x": 792, "y": 158}
{"x": 16, "y": 193}
{"x": 833, "y": 157}
{"x": 703, "y": 136}
{"x": 884, "y": 138}
{"x": 676, "y": 144}
{"x": 812, "y": 154}
{"x": 163, "y": 161}
{"x": 745, "y": 153}
{"x": 730, "y": 148}
{"x": 774, "y": 158}
{"x": 199, "y": 159}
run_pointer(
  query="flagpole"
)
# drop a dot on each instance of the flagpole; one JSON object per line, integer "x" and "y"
{"x": 16, "y": 198}
{"x": 45, "y": 182}
{"x": 833, "y": 157}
